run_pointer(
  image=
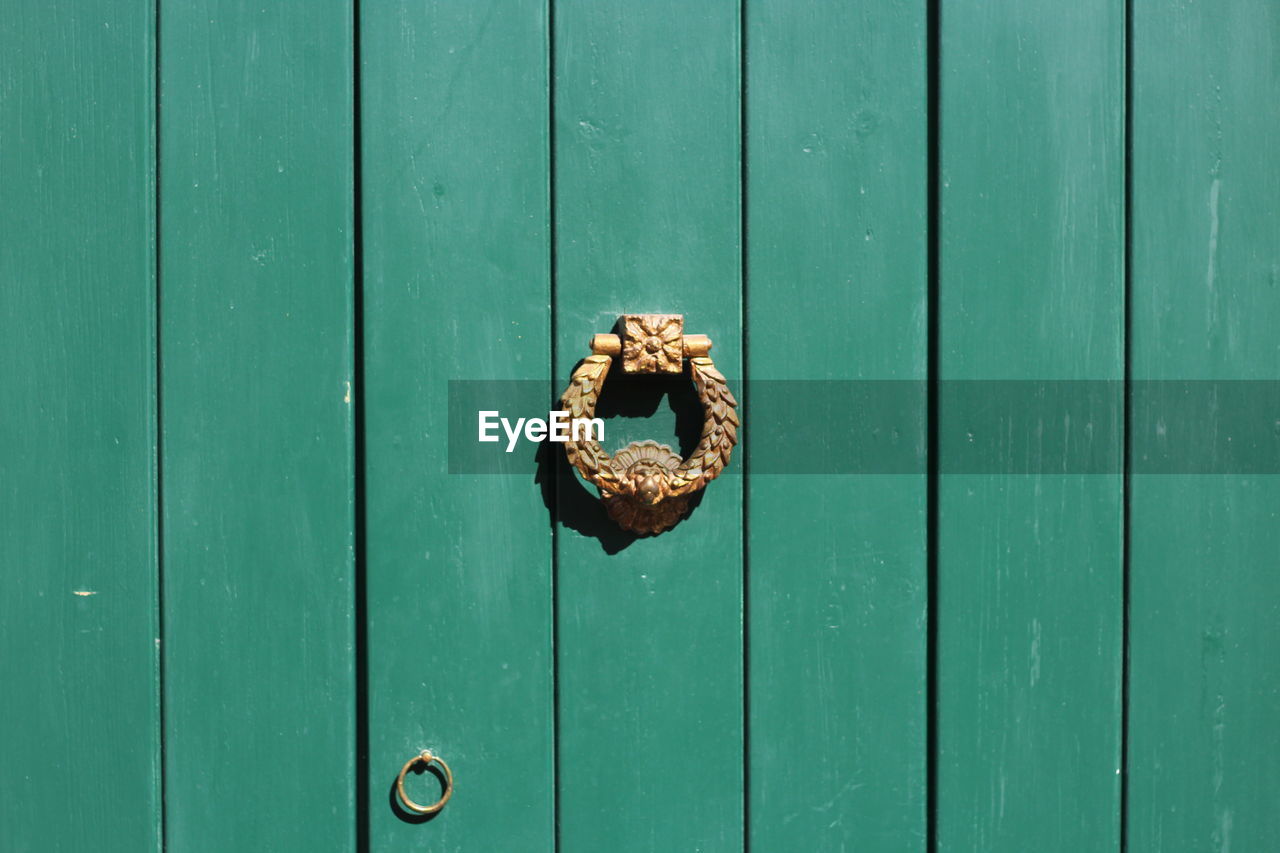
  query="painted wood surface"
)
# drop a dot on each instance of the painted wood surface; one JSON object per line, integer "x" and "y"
{"x": 837, "y": 172}
{"x": 1030, "y": 287}
{"x": 256, "y": 177}
{"x": 79, "y": 710}
{"x": 1204, "y": 691}
{"x": 649, "y": 632}
{"x": 263, "y": 567}
{"x": 456, "y": 252}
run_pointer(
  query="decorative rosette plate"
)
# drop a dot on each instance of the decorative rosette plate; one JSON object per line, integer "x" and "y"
{"x": 646, "y": 486}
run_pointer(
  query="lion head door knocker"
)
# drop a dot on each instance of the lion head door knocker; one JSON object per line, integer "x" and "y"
{"x": 646, "y": 486}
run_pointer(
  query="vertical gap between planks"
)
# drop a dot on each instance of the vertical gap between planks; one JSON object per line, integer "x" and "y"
{"x": 743, "y": 272}
{"x": 359, "y": 532}
{"x": 553, "y": 307}
{"x": 1126, "y": 468}
{"x": 933, "y": 49}
{"x": 161, "y": 816}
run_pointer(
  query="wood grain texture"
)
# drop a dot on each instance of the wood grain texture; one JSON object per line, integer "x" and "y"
{"x": 79, "y": 718}
{"x": 1030, "y": 287}
{"x": 256, "y": 347}
{"x": 649, "y": 635}
{"x": 836, "y": 269}
{"x": 454, "y": 116}
{"x": 1204, "y": 692}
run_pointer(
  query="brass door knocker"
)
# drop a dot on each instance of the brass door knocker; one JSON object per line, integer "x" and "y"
{"x": 427, "y": 758}
{"x": 646, "y": 486}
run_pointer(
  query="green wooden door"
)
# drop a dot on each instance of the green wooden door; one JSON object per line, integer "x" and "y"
{"x": 994, "y": 567}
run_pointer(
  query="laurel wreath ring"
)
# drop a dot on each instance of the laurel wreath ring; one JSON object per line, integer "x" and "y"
{"x": 706, "y": 462}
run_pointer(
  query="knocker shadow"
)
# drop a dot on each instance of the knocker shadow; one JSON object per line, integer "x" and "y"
{"x": 413, "y": 817}
{"x": 578, "y": 506}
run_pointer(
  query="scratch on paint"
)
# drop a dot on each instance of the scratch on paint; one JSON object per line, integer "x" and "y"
{"x": 83, "y": 593}
{"x": 1211, "y": 274}
{"x": 346, "y": 398}
{"x": 1224, "y": 831}
{"x": 1035, "y": 651}
{"x": 847, "y": 788}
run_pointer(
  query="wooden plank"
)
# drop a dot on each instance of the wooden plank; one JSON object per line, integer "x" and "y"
{"x": 454, "y": 118}
{"x": 1204, "y": 691}
{"x": 1029, "y": 565}
{"x": 649, "y": 631}
{"x": 837, "y": 256}
{"x": 256, "y": 352}
{"x": 79, "y": 703}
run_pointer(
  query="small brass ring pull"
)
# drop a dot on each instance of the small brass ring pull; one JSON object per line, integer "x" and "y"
{"x": 646, "y": 486}
{"x": 427, "y": 758}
